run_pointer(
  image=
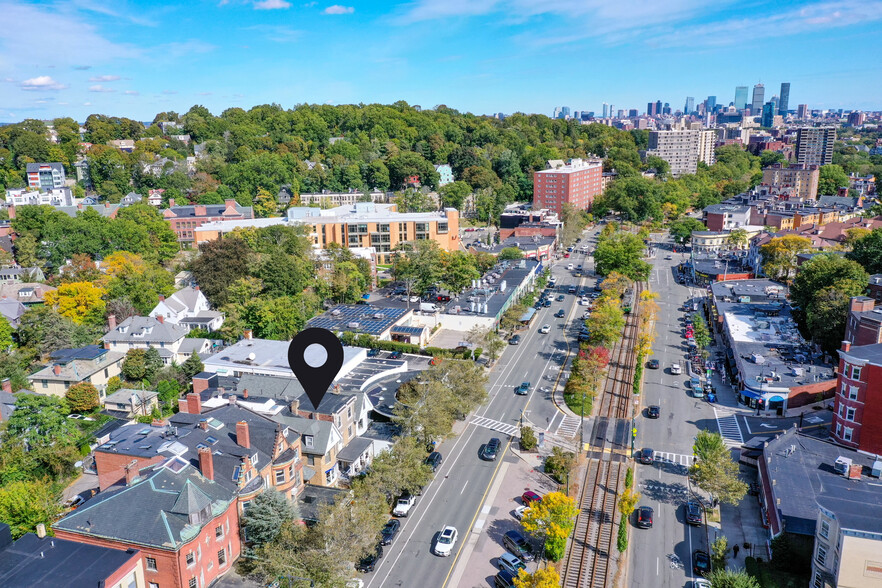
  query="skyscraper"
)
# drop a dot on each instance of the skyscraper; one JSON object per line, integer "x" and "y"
{"x": 564, "y": 111}
{"x": 556, "y": 112}
{"x": 802, "y": 111}
{"x": 611, "y": 110}
{"x": 711, "y": 103}
{"x": 740, "y": 97}
{"x": 690, "y": 105}
{"x": 768, "y": 114}
{"x": 605, "y": 110}
{"x": 650, "y": 109}
{"x": 658, "y": 107}
{"x": 814, "y": 145}
{"x": 785, "y": 98}
{"x": 759, "y": 96}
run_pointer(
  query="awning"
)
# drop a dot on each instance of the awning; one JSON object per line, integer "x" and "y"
{"x": 751, "y": 394}
{"x": 776, "y": 399}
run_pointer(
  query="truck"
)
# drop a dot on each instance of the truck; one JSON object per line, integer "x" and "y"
{"x": 428, "y": 307}
{"x": 405, "y": 503}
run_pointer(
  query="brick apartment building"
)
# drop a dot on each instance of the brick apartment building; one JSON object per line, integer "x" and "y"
{"x": 185, "y": 220}
{"x": 576, "y": 182}
{"x": 801, "y": 179}
{"x": 857, "y": 408}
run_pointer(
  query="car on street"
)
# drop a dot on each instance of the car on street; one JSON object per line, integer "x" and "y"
{"x": 546, "y": 303}
{"x": 369, "y": 562}
{"x": 653, "y": 364}
{"x": 434, "y": 460}
{"x": 585, "y": 301}
{"x": 571, "y": 290}
{"x": 404, "y": 504}
{"x": 646, "y": 456}
{"x": 676, "y": 369}
{"x": 570, "y": 267}
{"x": 373, "y": 352}
{"x": 515, "y": 543}
{"x": 510, "y": 563}
{"x": 586, "y": 315}
{"x": 446, "y": 541}
{"x": 701, "y": 583}
{"x": 561, "y": 297}
{"x": 644, "y": 517}
{"x": 545, "y": 329}
{"x": 519, "y": 512}
{"x": 697, "y": 391}
{"x": 694, "y": 514}
{"x": 490, "y": 450}
{"x": 504, "y": 579}
{"x": 390, "y": 529}
{"x": 652, "y": 411}
{"x": 701, "y": 562}
{"x": 529, "y": 497}
{"x": 515, "y": 340}
{"x": 523, "y": 389}
{"x": 560, "y": 314}
{"x": 395, "y": 355}
{"x": 669, "y": 257}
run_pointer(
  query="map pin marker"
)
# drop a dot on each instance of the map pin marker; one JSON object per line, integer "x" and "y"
{"x": 315, "y": 356}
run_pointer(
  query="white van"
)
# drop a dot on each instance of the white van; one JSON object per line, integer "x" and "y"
{"x": 428, "y": 307}
{"x": 571, "y": 267}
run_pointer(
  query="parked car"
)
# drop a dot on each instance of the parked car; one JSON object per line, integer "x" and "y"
{"x": 644, "y": 517}
{"x": 490, "y": 450}
{"x": 646, "y": 456}
{"x": 434, "y": 460}
{"x": 503, "y": 579}
{"x": 515, "y": 543}
{"x": 510, "y": 563}
{"x": 390, "y": 529}
{"x": 652, "y": 411}
{"x": 446, "y": 541}
{"x": 701, "y": 563}
{"x": 546, "y": 303}
{"x": 519, "y": 512}
{"x": 694, "y": 513}
{"x": 570, "y": 267}
{"x": 523, "y": 389}
{"x": 395, "y": 355}
{"x": 545, "y": 329}
{"x": 373, "y": 352}
{"x": 369, "y": 562}
{"x": 404, "y": 504}
{"x": 529, "y": 497}
{"x": 515, "y": 340}
{"x": 653, "y": 364}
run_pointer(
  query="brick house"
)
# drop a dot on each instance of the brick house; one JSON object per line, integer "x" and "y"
{"x": 185, "y": 525}
{"x": 185, "y": 220}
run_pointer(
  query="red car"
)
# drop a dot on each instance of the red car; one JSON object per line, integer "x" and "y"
{"x": 529, "y": 497}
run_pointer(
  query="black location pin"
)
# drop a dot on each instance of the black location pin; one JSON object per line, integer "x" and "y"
{"x": 315, "y": 356}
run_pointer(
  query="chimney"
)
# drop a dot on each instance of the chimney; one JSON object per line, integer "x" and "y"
{"x": 230, "y": 203}
{"x": 201, "y": 383}
{"x": 132, "y": 471}
{"x": 248, "y": 334}
{"x": 111, "y": 321}
{"x": 295, "y": 405}
{"x": 41, "y": 530}
{"x": 107, "y": 205}
{"x": 200, "y": 210}
{"x": 846, "y": 346}
{"x": 194, "y": 403}
{"x": 161, "y": 298}
{"x": 161, "y": 319}
{"x": 242, "y": 437}
{"x": 183, "y": 405}
{"x": 7, "y": 385}
{"x": 203, "y": 424}
{"x": 196, "y": 288}
{"x": 56, "y": 369}
{"x": 854, "y": 472}
{"x": 206, "y": 462}
{"x": 232, "y": 399}
{"x": 245, "y": 393}
{"x": 106, "y": 345}
{"x": 171, "y": 202}
{"x": 80, "y": 206}
{"x": 862, "y": 304}
{"x": 11, "y": 211}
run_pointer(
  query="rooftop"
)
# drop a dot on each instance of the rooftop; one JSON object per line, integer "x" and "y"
{"x": 494, "y": 289}
{"x": 147, "y": 329}
{"x": 267, "y": 357}
{"x": 359, "y": 318}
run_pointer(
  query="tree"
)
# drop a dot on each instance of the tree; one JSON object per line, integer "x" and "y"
{"x": 722, "y": 578}
{"x": 779, "y": 255}
{"x": 769, "y": 158}
{"x": 714, "y": 471}
{"x": 737, "y": 238}
{"x": 510, "y": 253}
{"x": 134, "y": 366}
{"x": 152, "y": 363}
{"x": 623, "y": 253}
{"x": 192, "y": 365}
{"x": 574, "y": 222}
{"x": 414, "y": 200}
{"x": 681, "y": 229}
{"x": 628, "y": 502}
{"x": 266, "y": 515}
{"x": 42, "y": 329}
{"x": 719, "y": 549}
{"x": 454, "y": 194}
{"x": 25, "y": 504}
{"x": 26, "y": 250}
{"x": 700, "y": 331}
{"x": 607, "y": 322}
{"x": 551, "y": 520}
{"x": 493, "y": 344}
{"x": 399, "y": 469}
{"x": 541, "y": 578}
{"x": 81, "y": 302}
{"x": 219, "y": 264}
{"x": 830, "y": 179}
{"x": 867, "y": 251}
{"x": 82, "y": 397}
{"x": 559, "y": 464}
{"x": 169, "y": 391}
{"x": 40, "y": 420}
{"x": 528, "y": 438}
{"x": 5, "y": 334}
{"x": 511, "y": 318}
{"x": 265, "y": 204}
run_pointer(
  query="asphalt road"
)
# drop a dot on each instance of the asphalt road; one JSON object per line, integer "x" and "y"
{"x": 460, "y": 487}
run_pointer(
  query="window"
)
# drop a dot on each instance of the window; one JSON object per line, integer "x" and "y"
{"x": 291, "y": 471}
{"x": 153, "y": 585}
{"x": 821, "y": 557}
{"x": 308, "y": 440}
{"x": 191, "y": 559}
{"x": 825, "y": 529}
{"x": 221, "y": 557}
{"x": 849, "y": 413}
{"x": 151, "y": 564}
{"x": 856, "y": 372}
{"x": 853, "y": 392}
{"x": 192, "y": 583}
{"x": 841, "y": 410}
{"x": 846, "y": 434}
{"x": 839, "y": 430}
{"x": 219, "y": 531}
{"x": 818, "y": 582}
{"x": 280, "y": 476}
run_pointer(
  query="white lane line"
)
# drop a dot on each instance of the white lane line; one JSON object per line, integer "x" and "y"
{"x": 466, "y": 483}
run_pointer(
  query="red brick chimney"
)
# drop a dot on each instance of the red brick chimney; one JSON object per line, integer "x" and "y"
{"x": 171, "y": 202}
{"x": 183, "y": 405}
{"x": 57, "y": 369}
{"x": 107, "y": 345}
{"x": 199, "y": 210}
{"x": 111, "y": 321}
{"x": 846, "y": 346}
{"x": 245, "y": 393}
{"x": 196, "y": 288}
{"x": 161, "y": 319}
{"x": 7, "y": 385}
{"x": 230, "y": 205}
{"x": 203, "y": 424}
{"x": 242, "y": 436}
{"x": 194, "y": 403}
{"x": 862, "y": 304}
{"x": 206, "y": 462}
{"x": 132, "y": 471}
{"x": 200, "y": 384}
{"x": 11, "y": 211}
{"x": 248, "y": 334}
{"x": 161, "y": 298}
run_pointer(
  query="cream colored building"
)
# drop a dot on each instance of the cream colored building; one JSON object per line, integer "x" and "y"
{"x": 92, "y": 364}
{"x": 845, "y": 557}
{"x": 683, "y": 149}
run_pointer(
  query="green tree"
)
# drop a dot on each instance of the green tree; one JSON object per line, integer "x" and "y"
{"x": 25, "y": 504}
{"x": 40, "y": 421}
{"x": 574, "y": 222}
{"x": 541, "y": 578}
{"x": 867, "y": 251}
{"x": 681, "y": 229}
{"x": 134, "y": 366}
{"x": 719, "y": 553}
{"x": 737, "y": 238}
{"x": 169, "y": 391}
{"x": 607, "y": 322}
{"x": 43, "y": 330}
{"x": 769, "y": 158}
{"x": 830, "y": 179}
{"x": 192, "y": 365}
{"x": 401, "y": 469}
{"x": 266, "y": 515}
{"x": 779, "y": 255}
{"x": 528, "y": 438}
{"x": 700, "y": 331}
{"x": 623, "y": 253}
{"x": 5, "y": 334}
{"x": 559, "y": 464}
{"x": 454, "y": 194}
{"x": 722, "y": 578}
{"x": 219, "y": 264}
{"x": 82, "y": 397}
{"x": 510, "y": 253}
{"x": 714, "y": 471}
{"x": 26, "y": 250}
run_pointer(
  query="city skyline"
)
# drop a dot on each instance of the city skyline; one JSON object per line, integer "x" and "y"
{"x": 137, "y": 58}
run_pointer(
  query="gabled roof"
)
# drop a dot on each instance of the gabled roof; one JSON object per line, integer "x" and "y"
{"x": 35, "y": 167}
{"x": 158, "y": 332}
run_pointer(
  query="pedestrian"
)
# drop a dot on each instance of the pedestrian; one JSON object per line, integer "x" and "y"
{"x": 735, "y": 551}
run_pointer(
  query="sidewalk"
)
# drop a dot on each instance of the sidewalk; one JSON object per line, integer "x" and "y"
{"x": 742, "y": 524}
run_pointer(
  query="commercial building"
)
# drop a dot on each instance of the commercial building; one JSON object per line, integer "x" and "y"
{"x": 802, "y": 112}
{"x": 856, "y": 118}
{"x": 683, "y": 149}
{"x": 801, "y": 179}
{"x": 759, "y": 93}
{"x": 576, "y": 182}
{"x": 784, "y": 100}
{"x": 45, "y": 176}
{"x": 740, "y": 97}
{"x": 814, "y": 145}
{"x": 724, "y": 217}
{"x": 364, "y": 224}
{"x": 185, "y": 220}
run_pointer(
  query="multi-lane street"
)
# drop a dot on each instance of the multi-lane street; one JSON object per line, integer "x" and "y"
{"x": 463, "y": 481}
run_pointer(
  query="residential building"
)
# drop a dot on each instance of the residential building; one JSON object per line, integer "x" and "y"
{"x": 27, "y": 293}
{"x": 802, "y": 112}
{"x": 37, "y": 560}
{"x": 142, "y": 332}
{"x": 856, "y": 118}
{"x": 127, "y": 403}
{"x": 683, "y": 149}
{"x": 45, "y": 176}
{"x": 364, "y": 224}
{"x": 446, "y": 174}
{"x": 189, "y": 307}
{"x": 131, "y": 198}
{"x": 768, "y": 115}
{"x": 185, "y": 220}
{"x": 35, "y": 197}
{"x": 185, "y": 525}
{"x": 92, "y": 364}
{"x": 801, "y": 179}
{"x": 328, "y": 199}
{"x": 759, "y": 92}
{"x": 18, "y": 275}
{"x": 724, "y": 217}
{"x": 12, "y": 310}
{"x": 740, "y": 97}
{"x": 126, "y": 145}
{"x": 857, "y": 408}
{"x": 784, "y": 100}
{"x": 576, "y": 183}
{"x": 814, "y": 145}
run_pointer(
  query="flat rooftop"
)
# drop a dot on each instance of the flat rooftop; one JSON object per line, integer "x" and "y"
{"x": 266, "y": 356}
{"x": 490, "y": 292}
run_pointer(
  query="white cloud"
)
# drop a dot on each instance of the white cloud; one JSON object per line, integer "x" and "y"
{"x": 337, "y": 9}
{"x": 100, "y": 88}
{"x": 104, "y": 78}
{"x": 87, "y": 104}
{"x": 131, "y": 93}
{"x": 271, "y": 4}
{"x": 42, "y": 83}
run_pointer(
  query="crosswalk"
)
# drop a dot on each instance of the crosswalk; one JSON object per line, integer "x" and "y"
{"x": 569, "y": 426}
{"x": 675, "y": 458}
{"x": 729, "y": 429}
{"x": 496, "y": 425}
{"x": 663, "y": 487}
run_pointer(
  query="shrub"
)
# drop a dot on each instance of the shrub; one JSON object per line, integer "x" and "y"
{"x": 629, "y": 478}
{"x": 528, "y": 438}
{"x": 559, "y": 464}
{"x": 622, "y": 540}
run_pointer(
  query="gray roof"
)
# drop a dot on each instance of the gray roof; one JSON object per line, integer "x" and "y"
{"x": 124, "y": 396}
{"x": 319, "y": 430}
{"x": 871, "y": 353}
{"x": 106, "y": 209}
{"x": 354, "y": 449}
{"x": 35, "y": 167}
{"x": 726, "y": 208}
{"x": 32, "y": 561}
{"x": 846, "y": 201}
{"x": 210, "y": 210}
{"x": 286, "y": 390}
{"x": 512, "y": 273}
{"x": 12, "y": 311}
{"x": 804, "y": 477}
{"x": 312, "y": 498}
{"x": 523, "y": 243}
{"x": 161, "y": 510}
{"x": 184, "y": 299}
{"x": 77, "y": 370}
{"x": 159, "y": 332}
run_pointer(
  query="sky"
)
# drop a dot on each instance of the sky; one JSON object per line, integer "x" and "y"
{"x": 137, "y": 58}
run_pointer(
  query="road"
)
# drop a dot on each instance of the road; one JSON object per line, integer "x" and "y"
{"x": 462, "y": 483}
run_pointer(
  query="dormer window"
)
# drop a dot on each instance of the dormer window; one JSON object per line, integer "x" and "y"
{"x": 308, "y": 441}
{"x": 123, "y": 328}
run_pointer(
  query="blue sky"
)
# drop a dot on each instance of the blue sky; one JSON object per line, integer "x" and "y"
{"x": 133, "y": 58}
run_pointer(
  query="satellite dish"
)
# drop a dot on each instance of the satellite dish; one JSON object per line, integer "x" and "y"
{"x": 251, "y": 356}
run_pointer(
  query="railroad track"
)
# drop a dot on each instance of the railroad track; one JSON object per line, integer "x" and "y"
{"x": 593, "y": 543}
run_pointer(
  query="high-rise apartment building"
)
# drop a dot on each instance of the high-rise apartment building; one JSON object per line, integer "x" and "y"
{"x": 784, "y": 101}
{"x": 683, "y": 149}
{"x": 740, "y": 97}
{"x": 802, "y": 111}
{"x": 45, "y": 176}
{"x": 802, "y": 180}
{"x": 856, "y": 118}
{"x": 576, "y": 183}
{"x": 814, "y": 145}
{"x": 690, "y": 105}
{"x": 612, "y": 110}
{"x": 759, "y": 96}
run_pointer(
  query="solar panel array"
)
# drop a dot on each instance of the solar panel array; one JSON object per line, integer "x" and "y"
{"x": 369, "y": 319}
{"x": 407, "y": 330}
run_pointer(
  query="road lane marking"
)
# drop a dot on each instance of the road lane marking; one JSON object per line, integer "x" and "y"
{"x": 729, "y": 429}
{"x": 466, "y": 483}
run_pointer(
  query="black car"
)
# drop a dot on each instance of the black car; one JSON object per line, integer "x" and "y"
{"x": 653, "y": 364}
{"x": 389, "y": 531}
{"x": 434, "y": 460}
{"x": 652, "y": 411}
{"x": 646, "y": 456}
{"x": 369, "y": 562}
{"x": 515, "y": 543}
{"x": 694, "y": 514}
{"x": 701, "y": 562}
{"x": 515, "y": 340}
{"x": 491, "y": 449}
{"x": 561, "y": 297}
{"x": 503, "y": 579}
{"x": 395, "y": 355}
{"x": 560, "y": 314}
{"x": 546, "y": 303}
{"x": 644, "y": 517}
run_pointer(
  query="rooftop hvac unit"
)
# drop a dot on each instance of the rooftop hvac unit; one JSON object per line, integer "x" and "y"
{"x": 336, "y": 312}
{"x": 378, "y": 315}
{"x": 353, "y": 325}
{"x": 472, "y": 306}
{"x": 842, "y": 465}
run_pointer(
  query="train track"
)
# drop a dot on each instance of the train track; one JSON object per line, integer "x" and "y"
{"x": 592, "y": 546}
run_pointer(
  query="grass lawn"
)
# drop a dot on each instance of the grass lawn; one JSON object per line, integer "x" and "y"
{"x": 574, "y": 402}
{"x": 769, "y": 577}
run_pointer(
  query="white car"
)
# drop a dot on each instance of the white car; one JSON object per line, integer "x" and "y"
{"x": 586, "y": 315}
{"x": 446, "y": 541}
{"x": 545, "y": 329}
{"x": 405, "y": 503}
{"x": 676, "y": 369}
{"x": 571, "y": 267}
{"x": 519, "y": 512}
{"x": 585, "y": 301}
